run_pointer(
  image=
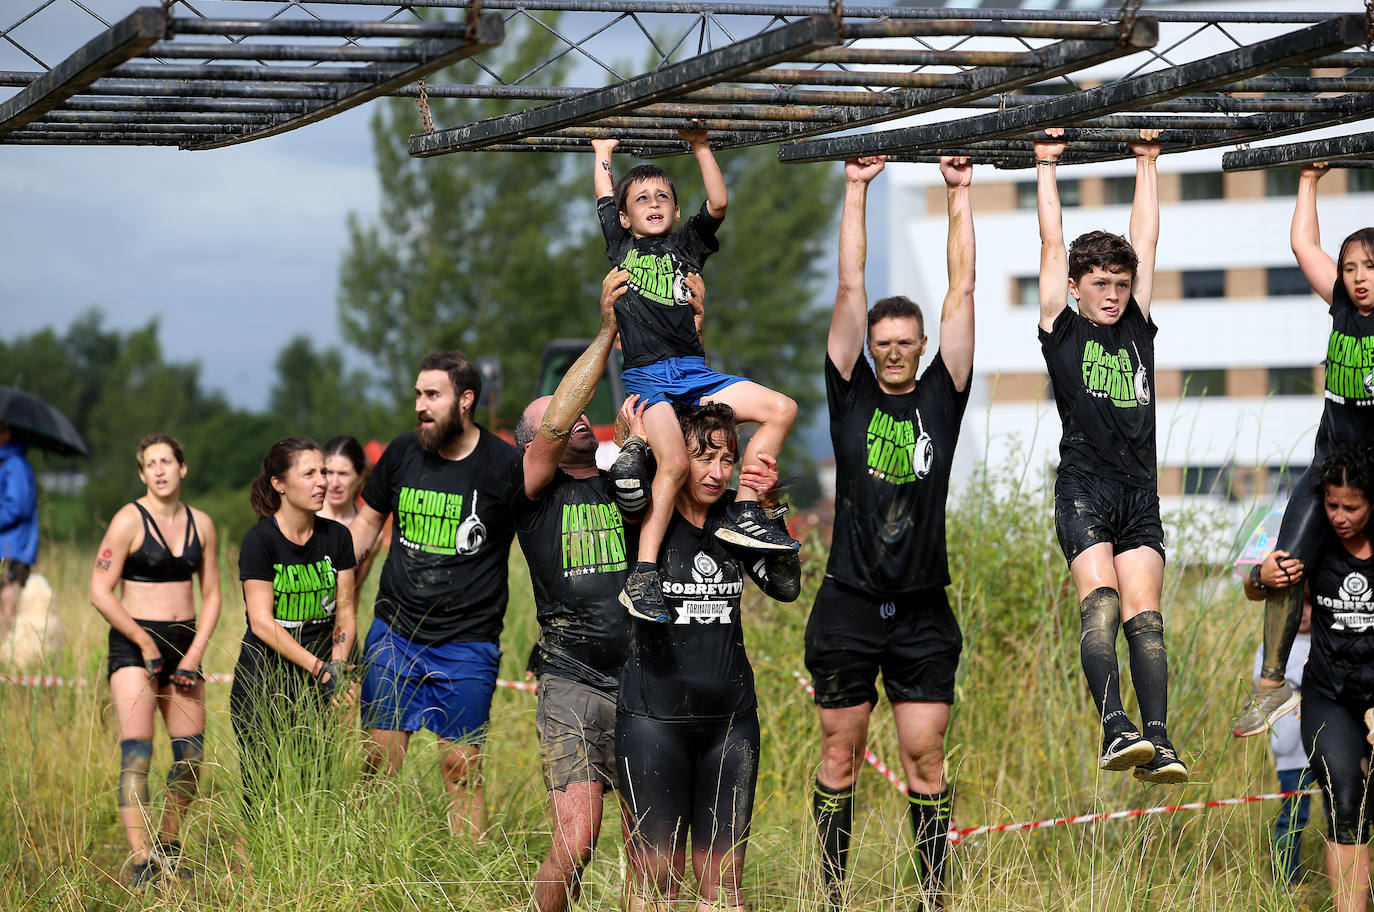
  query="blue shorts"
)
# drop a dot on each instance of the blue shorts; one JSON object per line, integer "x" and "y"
{"x": 445, "y": 687}
{"x": 681, "y": 380}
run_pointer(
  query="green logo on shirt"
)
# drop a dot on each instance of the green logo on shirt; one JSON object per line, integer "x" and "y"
{"x": 429, "y": 520}
{"x": 1113, "y": 377}
{"x": 593, "y": 539}
{"x": 891, "y": 445}
{"x": 303, "y": 592}
{"x": 1350, "y": 366}
{"x": 651, "y": 275}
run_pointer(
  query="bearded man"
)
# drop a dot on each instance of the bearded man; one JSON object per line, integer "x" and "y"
{"x": 432, "y": 653}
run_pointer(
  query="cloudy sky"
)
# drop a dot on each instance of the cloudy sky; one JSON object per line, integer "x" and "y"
{"x": 233, "y": 250}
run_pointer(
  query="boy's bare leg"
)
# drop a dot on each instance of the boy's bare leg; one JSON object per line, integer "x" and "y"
{"x": 664, "y": 435}
{"x": 775, "y": 414}
{"x": 460, "y": 766}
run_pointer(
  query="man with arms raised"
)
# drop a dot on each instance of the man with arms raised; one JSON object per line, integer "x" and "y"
{"x": 431, "y": 656}
{"x": 573, "y": 534}
{"x": 882, "y": 605}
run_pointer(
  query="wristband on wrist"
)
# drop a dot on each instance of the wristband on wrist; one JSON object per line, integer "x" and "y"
{"x": 1255, "y": 580}
{"x": 1047, "y": 161}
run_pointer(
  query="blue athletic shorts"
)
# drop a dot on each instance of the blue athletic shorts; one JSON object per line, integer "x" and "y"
{"x": 681, "y": 380}
{"x": 446, "y": 687}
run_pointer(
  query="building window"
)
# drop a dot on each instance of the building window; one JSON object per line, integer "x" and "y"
{"x": 1207, "y": 381}
{"x": 1281, "y": 182}
{"x": 1361, "y": 180}
{"x": 1283, "y": 478}
{"x": 1291, "y": 381}
{"x": 1069, "y": 194}
{"x": 1204, "y": 283}
{"x": 1281, "y": 281}
{"x": 1202, "y": 185}
{"x": 1027, "y": 291}
{"x": 1207, "y": 481}
{"x": 1120, "y": 191}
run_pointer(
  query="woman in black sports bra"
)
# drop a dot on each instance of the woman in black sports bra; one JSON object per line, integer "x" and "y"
{"x": 142, "y": 584}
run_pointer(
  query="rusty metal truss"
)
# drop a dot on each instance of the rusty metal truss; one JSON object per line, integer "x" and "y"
{"x": 823, "y": 82}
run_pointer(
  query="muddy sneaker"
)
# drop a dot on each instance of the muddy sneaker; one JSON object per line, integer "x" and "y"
{"x": 1264, "y": 709}
{"x": 1123, "y": 750}
{"x": 1165, "y": 768}
{"x": 168, "y": 857}
{"x": 643, "y": 597}
{"x": 143, "y": 874}
{"x": 747, "y": 526}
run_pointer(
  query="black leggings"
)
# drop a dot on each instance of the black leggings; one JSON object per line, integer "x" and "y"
{"x": 286, "y": 733}
{"x": 1304, "y": 519}
{"x": 680, "y": 775}
{"x": 1333, "y": 734}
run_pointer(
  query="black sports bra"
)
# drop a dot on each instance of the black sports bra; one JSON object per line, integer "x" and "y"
{"x": 154, "y": 562}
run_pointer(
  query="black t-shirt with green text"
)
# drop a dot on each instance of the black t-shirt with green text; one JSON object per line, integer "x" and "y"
{"x": 304, "y": 577}
{"x": 445, "y": 577}
{"x": 1102, "y": 378}
{"x": 695, "y": 666}
{"x": 655, "y": 314}
{"x": 575, "y": 543}
{"x": 893, "y": 455}
{"x": 1348, "y": 415}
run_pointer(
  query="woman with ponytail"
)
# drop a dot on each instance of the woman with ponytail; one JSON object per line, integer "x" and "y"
{"x": 297, "y": 573}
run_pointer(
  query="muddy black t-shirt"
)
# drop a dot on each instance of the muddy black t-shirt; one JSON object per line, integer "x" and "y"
{"x": 1103, "y": 382}
{"x": 445, "y": 577}
{"x": 893, "y": 455}
{"x": 655, "y": 314}
{"x": 304, "y": 577}
{"x": 1341, "y": 663}
{"x": 1348, "y": 416}
{"x": 575, "y": 544}
{"x": 694, "y": 666}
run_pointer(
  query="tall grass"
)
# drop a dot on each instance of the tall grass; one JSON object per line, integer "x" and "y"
{"x": 1022, "y": 746}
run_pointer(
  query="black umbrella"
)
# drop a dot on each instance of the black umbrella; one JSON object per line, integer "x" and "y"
{"x": 39, "y": 424}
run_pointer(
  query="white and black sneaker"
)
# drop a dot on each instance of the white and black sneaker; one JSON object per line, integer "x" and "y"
{"x": 1164, "y": 768}
{"x": 1124, "y": 749}
{"x": 747, "y": 526}
{"x": 643, "y": 597}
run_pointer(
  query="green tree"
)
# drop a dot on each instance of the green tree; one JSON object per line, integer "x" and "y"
{"x": 315, "y": 395}
{"x": 498, "y": 253}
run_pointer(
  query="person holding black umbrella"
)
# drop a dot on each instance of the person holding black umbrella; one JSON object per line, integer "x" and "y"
{"x": 18, "y": 524}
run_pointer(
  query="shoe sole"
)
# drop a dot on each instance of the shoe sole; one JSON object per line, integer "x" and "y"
{"x": 1168, "y": 774}
{"x": 752, "y": 544}
{"x": 1284, "y": 709}
{"x": 630, "y": 607}
{"x": 1140, "y": 752}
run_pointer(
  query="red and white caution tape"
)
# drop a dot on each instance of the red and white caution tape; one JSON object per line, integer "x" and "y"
{"x": 957, "y": 834}
{"x": 873, "y": 759}
{"x": 961, "y": 834}
{"x": 57, "y": 681}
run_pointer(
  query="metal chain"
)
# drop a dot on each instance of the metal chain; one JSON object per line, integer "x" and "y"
{"x": 422, "y": 103}
{"x": 1129, "y": 8}
{"x": 474, "y": 13}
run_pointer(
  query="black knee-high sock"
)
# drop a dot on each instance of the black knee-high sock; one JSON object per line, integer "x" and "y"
{"x": 834, "y": 810}
{"x": 1149, "y": 671}
{"x": 1100, "y": 613}
{"x": 930, "y": 825}
{"x": 1282, "y": 615}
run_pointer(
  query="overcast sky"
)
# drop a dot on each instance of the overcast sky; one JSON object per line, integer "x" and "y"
{"x": 234, "y": 250}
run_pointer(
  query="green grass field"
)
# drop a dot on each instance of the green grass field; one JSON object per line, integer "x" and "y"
{"x": 1021, "y": 747}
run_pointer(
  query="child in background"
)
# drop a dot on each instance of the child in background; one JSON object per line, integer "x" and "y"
{"x": 1290, "y": 760}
